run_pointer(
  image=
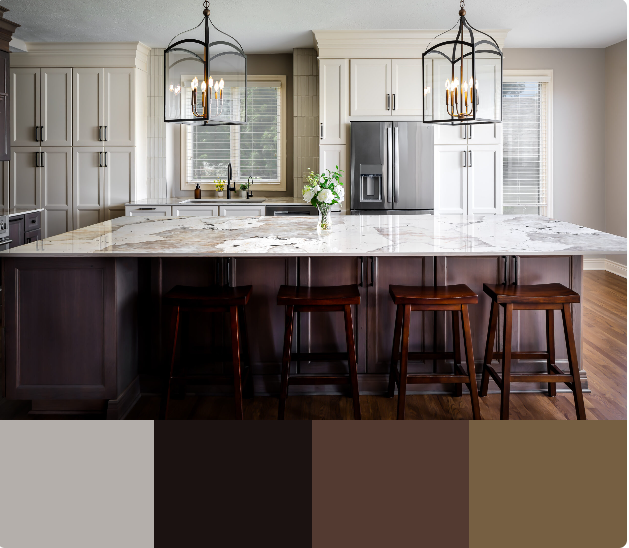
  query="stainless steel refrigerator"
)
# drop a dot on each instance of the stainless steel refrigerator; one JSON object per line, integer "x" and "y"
{"x": 392, "y": 168}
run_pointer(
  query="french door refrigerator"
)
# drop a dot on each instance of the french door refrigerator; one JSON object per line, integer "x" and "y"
{"x": 392, "y": 168}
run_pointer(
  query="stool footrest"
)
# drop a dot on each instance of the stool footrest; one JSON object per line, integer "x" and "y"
{"x": 436, "y": 378}
{"x": 430, "y": 356}
{"x": 539, "y": 377}
{"x": 318, "y": 379}
{"x": 319, "y": 356}
{"x": 522, "y": 355}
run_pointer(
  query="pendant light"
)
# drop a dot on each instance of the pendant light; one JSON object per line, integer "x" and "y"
{"x": 205, "y": 82}
{"x": 462, "y": 78}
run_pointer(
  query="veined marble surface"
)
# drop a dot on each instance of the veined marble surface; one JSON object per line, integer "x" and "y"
{"x": 404, "y": 235}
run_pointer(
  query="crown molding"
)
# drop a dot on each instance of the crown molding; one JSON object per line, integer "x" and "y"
{"x": 83, "y": 54}
{"x": 387, "y": 44}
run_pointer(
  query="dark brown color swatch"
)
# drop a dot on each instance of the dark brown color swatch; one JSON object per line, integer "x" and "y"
{"x": 547, "y": 483}
{"x": 388, "y": 483}
{"x": 233, "y": 484}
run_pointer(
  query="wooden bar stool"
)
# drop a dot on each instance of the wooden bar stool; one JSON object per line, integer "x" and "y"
{"x": 454, "y": 298}
{"x": 319, "y": 299}
{"x": 548, "y": 297}
{"x": 214, "y": 299}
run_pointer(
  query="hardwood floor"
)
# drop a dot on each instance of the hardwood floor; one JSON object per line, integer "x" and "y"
{"x": 604, "y": 302}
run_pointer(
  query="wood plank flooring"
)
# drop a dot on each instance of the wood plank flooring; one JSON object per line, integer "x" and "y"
{"x": 604, "y": 302}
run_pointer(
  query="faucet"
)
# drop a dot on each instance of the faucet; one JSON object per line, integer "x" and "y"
{"x": 229, "y": 178}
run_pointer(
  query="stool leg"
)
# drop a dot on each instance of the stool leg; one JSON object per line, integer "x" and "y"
{"x": 572, "y": 361}
{"x": 401, "y": 393}
{"x": 506, "y": 364}
{"x": 550, "y": 348}
{"x": 489, "y": 347}
{"x": 288, "y": 341}
{"x": 395, "y": 353}
{"x": 351, "y": 351}
{"x": 469, "y": 357}
{"x": 174, "y": 331}
{"x": 456, "y": 345}
{"x": 236, "y": 361}
{"x": 248, "y": 388}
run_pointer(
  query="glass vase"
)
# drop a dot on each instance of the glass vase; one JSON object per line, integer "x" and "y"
{"x": 325, "y": 217}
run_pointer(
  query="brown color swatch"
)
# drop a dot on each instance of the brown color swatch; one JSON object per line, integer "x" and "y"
{"x": 233, "y": 484}
{"x": 548, "y": 484}
{"x": 385, "y": 483}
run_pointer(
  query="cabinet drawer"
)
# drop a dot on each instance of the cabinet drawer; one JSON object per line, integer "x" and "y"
{"x": 32, "y": 236}
{"x": 148, "y": 211}
{"x": 32, "y": 221}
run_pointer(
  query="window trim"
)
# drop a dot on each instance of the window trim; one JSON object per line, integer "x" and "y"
{"x": 279, "y": 186}
{"x": 546, "y": 76}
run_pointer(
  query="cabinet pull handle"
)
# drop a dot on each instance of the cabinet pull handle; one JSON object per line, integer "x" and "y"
{"x": 100, "y": 133}
{"x": 362, "y": 273}
{"x": 41, "y": 133}
{"x": 37, "y": 159}
{"x": 388, "y": 101}
{"x": 470, "y": 158}
{"x": 106, "y": 159}
{"x": 321, "y": 130}
{"x": 464, "y": 158}
{"x": 470, "y": 133}
{"x": 42, "y": 157}
{"x": 37, "y": 133}
{"x": 106, "y": 139}
{"x": 394, "y": 101}
{"x": 100, "y": 159}
{"x": 371, "y": 282}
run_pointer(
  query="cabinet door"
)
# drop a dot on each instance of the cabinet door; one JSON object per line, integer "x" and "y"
{"x": 333, "y": 101}
{"x": 242, "y": 211}
{"x": 56, "y": 184}
{"x": 450, "y": 135}
{"x": 25, "y": 106}
{"x": 484, "y": 179}
{"x": 195, "y": 211}
{"x": 56, "y": 107}
{"x": 148, "y": 211}
{"x": 406, "y": 86}
{"x": 87, "y": 186}
{"x": 119, "y": 180}
{"x": 331, "y": 156}
{"x": 119, "y": 108}
{"x": 16, "y": 231}
{"x": 25, "y": 178}
{"x": 87, "y": 106}
{"x": 451, "y": 179}
{"x": 370, "y": 87}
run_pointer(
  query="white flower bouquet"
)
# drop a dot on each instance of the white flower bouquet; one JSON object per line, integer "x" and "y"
{"x": 322, "y": 190}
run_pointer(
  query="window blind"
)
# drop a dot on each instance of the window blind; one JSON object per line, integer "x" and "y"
{"x": 525, "y": 147}
{"x": 254, "y": 148}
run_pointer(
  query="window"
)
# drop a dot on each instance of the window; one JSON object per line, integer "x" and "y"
{"x": 527, "y": 143}
{"x": 255, "y": 149}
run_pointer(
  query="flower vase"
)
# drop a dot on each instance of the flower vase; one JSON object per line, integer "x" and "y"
{"x": 243, "y": 193}
{"x": 325, "y": 217}
{"x": 219, "y": 193}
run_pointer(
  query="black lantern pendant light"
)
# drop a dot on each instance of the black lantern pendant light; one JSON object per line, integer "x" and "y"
{"x": 205, "y": 82}
{"x": 462, "y": 78}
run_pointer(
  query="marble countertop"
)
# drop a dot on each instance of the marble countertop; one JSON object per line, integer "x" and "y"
{"x": 289, "y": 200}
{"x": 390, "y": 235}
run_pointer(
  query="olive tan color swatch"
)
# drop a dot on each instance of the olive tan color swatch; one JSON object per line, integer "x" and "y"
{"x": 548, "y": 484}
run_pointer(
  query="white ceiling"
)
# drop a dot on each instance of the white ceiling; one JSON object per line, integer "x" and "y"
{"x": 274, "y": 26}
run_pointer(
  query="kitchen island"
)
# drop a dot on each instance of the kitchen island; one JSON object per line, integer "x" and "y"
{"x": 83, "y": 318}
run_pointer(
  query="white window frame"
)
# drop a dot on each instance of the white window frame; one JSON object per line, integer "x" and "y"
{"x": 280, "y": 185}
{"x": 540, "y": 75}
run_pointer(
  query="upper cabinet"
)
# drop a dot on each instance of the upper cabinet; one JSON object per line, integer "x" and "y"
{"x": 333, "y": 101}
{"x": 25, "y": 106}
{"x": 406, "y": 86}
{"x": 119, "y": 107}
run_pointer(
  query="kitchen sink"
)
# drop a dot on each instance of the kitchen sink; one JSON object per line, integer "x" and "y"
{"x": 223, "y": 201}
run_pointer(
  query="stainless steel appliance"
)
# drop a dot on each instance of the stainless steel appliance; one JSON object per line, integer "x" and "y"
{"x": 291, "y": 210}
{"x": 4, "y": 232}
{"x": 392, "y": 168}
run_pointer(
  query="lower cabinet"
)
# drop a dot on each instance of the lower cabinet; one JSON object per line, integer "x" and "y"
{"x": 24, "y": 229}
{"x": 148, "y": 211}
{"x": 242, "y": 211}
{"x": 195, "y": 211}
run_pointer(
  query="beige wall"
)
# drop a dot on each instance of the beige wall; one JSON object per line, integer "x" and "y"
{"x": 274, "y": 64}
{"x": 616, "y": 142}
{"x": 578, "y": 129}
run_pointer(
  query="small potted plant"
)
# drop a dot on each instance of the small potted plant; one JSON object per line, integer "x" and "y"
{"x": 220, "y": 186}
{"x": 243, "y": 190}
{"x": 323, "y": 190}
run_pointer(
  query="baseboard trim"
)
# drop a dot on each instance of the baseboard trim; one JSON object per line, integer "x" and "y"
{"x": 605, "y": 264}
{"x": 119, "y": 408}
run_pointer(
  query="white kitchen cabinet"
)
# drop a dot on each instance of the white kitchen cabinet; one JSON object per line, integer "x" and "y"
{"x": 25, "y": 106}
{"x": 406, "y": 86}
{"x": 56, "y": 107}
{"x": 370, "y": 87}
{"x": 87, "y": 106}
{"x": 119, "y": 165}
{"x": 195, "y": 211}
{"x": 242, "y": 211}
{"x": 88, "y": 186}
{"x": 56, "y": 188}
{"x": 148, "y": 211}
{"x": 119, "y": 107}
{"x": 333, "y": 101}
{"x": 450, "y": 135}
{"x": 25, "y": 177}
{"x": 451, "y": 179}
{"x": 331, "y": 156}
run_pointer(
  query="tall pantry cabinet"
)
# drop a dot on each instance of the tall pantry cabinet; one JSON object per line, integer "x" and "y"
{"x": 78, "y": 132}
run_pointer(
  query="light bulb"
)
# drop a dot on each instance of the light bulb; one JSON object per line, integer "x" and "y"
{"x": 464, "y": 87}
{"x": 171, "y": 88}
{"x": 210, "y": 82}
{"x": 221, "y": 84}
{"x": 216, "y": 86}
{"x": 177, "y": 90}
{"x": 195, "y": 83}
{"x": 203, "y": 86}
{"x": 448, "y": 84}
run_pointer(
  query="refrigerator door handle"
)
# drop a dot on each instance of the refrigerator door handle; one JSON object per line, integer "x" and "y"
{"x": 396, "y": 149}
{"x": 389, "y": 165}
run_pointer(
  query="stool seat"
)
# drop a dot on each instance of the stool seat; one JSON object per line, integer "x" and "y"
{"x": 531, "y": 294}
{"x": 290, "y": 295}
{"x": 215, "y": 296}
{"x": 427, "y": 295}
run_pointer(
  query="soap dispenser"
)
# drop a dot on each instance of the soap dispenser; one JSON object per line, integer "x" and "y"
{"x": 197, "y": 192}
